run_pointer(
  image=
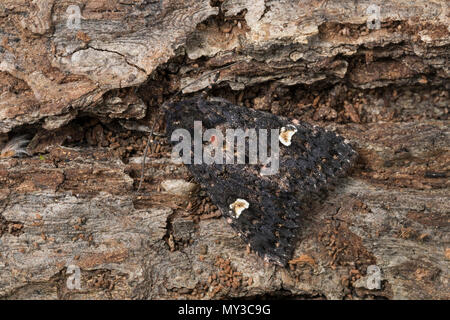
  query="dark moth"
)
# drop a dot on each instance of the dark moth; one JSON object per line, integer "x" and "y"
{"x": 313, "y": 161}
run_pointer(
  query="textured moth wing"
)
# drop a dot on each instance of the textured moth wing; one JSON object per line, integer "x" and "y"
{"x": 314, "y": 159}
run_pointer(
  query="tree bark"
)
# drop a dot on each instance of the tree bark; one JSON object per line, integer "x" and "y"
{"x": 86, "y": 93}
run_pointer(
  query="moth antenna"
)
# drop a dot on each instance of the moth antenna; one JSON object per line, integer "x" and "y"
{"x": 16, "y": 146}
{"x": 145, "y": 154}
{"x": 165, "y": 105}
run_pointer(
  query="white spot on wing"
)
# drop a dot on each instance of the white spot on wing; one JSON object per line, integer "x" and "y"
{"x": 286, "y": 134}
{"x": 239, "y": 206}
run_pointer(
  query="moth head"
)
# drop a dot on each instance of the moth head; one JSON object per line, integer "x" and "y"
{"x": 238, "y": 207}
{"x": 286, "y": 134}
{"x": 16, "y": 147}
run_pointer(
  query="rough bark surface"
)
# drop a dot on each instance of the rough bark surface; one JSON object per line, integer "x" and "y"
{"x": 86, "y": 96}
